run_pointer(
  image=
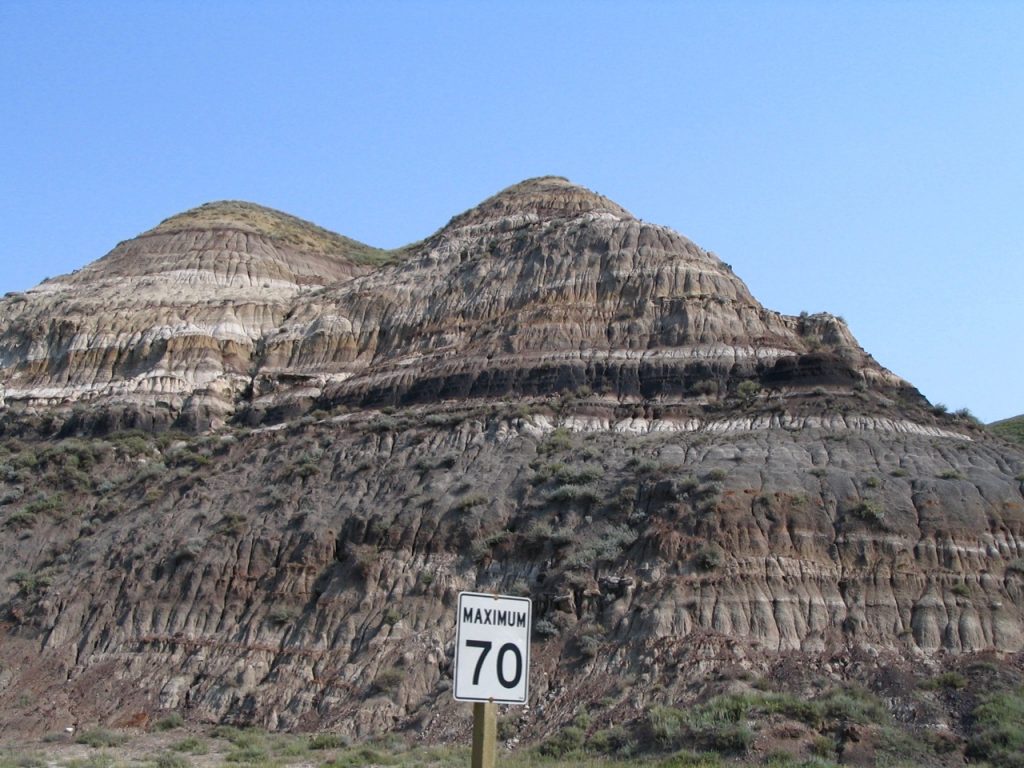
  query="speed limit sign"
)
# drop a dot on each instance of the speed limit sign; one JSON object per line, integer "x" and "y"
{"x": 492, "y": 648}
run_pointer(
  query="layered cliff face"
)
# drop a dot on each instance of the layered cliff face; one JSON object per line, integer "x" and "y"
{"x": 166, "y": 326}
{"x": 546, "y": 397}
{"x": 544, "y": 288}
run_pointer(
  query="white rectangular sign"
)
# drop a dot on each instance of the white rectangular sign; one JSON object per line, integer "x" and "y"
{"x": 492, "y": 648}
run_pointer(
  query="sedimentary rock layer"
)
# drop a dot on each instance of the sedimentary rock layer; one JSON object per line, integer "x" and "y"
{"x": 307, "y": 576}
{"x": 546, "y": 397}
{"x": 545, "y": 287}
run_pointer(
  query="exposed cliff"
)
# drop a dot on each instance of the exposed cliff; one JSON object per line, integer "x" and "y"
{"x": 166, "y": 326}
{"x": 547, "y": 397}
{"x": 546, "y": 287}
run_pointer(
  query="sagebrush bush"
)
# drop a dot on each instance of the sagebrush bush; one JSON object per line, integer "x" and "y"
{"x": 566, "y": 741}
{"x": 948, "y": 680}
{"x": 99, "y": 737}
{"x": 869, "y": 511}
{"x": 544, "y": 629}
{"x": 328, "y": 741}
{"x": 611, "y": 741}
{"x": 173, "y": 720}
{"x": 708, "y": 558}
{"x": 170, "y": 760}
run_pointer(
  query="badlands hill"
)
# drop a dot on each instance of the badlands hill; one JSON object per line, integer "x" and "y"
{"x": 248, "y": 464}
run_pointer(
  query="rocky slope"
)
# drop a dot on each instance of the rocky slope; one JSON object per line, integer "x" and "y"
{"x": 545, "y": 287}
{"x": 167, "y": 325}
{"x": 546, "y": 397}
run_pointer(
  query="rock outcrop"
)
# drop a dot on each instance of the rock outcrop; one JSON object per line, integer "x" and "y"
{"x": 166, "y": 326}
{"x": 547, "y": 396}
{"x": 544, "y": 288}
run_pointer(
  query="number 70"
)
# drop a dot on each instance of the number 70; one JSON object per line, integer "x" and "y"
{"x": 485, "y": 646}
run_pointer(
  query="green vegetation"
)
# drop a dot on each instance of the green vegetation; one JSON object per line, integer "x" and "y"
{"x": 602, "y": 541}
{"x": 388, "y": 680}
{"x": 100, "y": 737}
{"x": 960, "y": 589}
{"x": 564, "y": 742}
{"x": 579, "y": 494}
{"x": 469, "y": 502}
{"x": 748, "y": 391}
{"x": 173, "y": 720}
{"x": 328, "y": 741}
{"x": 192, "y": 745}
{"x": 558, "y": 440}
{"x": 565, "y": 474}
{"x": 723, "y": 731}
{"x": 171, "y": 760}
{"x": 282, "y": 615}
{"x": 708, "y": 558}
{"x": 20, "y": 519}
{"x": 716, "y": 726}
{"x": 869, "y": 511}
{"x": 723, "y": 724}
{"x": 945, "y": 681}
{"x": 97, "y": 760}
{"x": 283, "y": 227}
{"x": 997, "y": 735}
{"x": 1011, "y": 429}
{"x": 44, "y": 503}
{"x": 249, "y": 753}
{"x": 21, "y": 760}
{"x": 544, "y": 629}
{"x": 642, "y": 466}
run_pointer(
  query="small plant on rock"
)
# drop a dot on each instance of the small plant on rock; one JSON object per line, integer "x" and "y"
{"x": 748, "y": 391}
{"x": 544, "y": 629}
{"x": 945, "y": 681}
{"x": 869, "y": 511}
{"x": 388, "y": 680}
{"x": 709, "y": 558}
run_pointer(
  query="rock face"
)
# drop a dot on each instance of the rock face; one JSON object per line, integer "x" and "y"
{"x": 167, "y": 325}
{"x": 545, "y": 397}
{"x": 545, "y": 287}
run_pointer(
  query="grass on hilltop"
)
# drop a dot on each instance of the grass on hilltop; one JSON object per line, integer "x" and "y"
{"x": 1011, "y": 429}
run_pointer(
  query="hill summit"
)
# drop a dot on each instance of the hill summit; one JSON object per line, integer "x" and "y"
{"x": 542, "y": 198}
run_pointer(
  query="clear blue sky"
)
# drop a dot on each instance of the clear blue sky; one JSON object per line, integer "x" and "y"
{"x": 865, "y": 159}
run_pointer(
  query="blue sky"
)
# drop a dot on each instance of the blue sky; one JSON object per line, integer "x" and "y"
{"x": 865, "y": 159}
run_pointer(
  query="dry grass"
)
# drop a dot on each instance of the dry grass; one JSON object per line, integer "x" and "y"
{"x": 288, "y": 229}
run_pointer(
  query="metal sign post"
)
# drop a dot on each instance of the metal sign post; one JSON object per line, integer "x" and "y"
{"x": 492, "y": 662}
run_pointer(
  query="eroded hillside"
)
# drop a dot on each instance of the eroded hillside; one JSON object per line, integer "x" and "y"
{"x": 546, "y": 397}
